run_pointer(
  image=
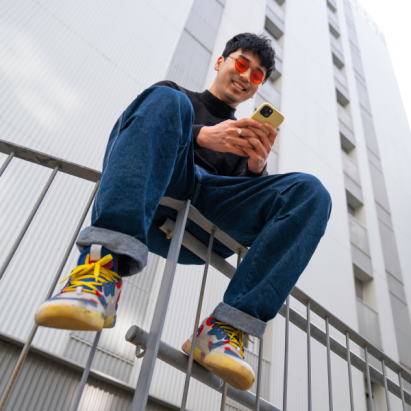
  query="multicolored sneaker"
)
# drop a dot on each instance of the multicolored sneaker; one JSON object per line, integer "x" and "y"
{"x": 219, "y": 348}
{"x": 90, "y": 298}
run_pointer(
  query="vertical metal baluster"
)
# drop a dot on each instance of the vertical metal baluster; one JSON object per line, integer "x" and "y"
{"x": 28, "y": 221}
{"x": 330, "y": 388}
{"x": 224, "y": 395}
{"x": 369, "y": 380}
{"x": 86, "y": 372}
{"x": 309, "y": 355}
{"x": 260, "y": 363}
{"x": 349, "y": 371}
{"x": 197, "y": 320}
{"x": 33, "y": 331}
{"x": 287, "y": 329}
{"x": 157, "y": 325}
{"x": 385, "y": 385}
{"x": 404, "y": 407}
{"x": 6, "y": 163}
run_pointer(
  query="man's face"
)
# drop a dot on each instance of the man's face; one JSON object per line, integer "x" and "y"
{"x": 232, "y": 86}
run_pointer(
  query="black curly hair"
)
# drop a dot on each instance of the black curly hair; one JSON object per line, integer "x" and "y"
{"x": 257, "y": 44}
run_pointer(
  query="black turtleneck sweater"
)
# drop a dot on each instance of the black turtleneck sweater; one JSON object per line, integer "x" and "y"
{"x": 209, "y": 111}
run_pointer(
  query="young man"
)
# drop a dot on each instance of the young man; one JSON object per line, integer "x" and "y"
{"x": 176, "y": 143}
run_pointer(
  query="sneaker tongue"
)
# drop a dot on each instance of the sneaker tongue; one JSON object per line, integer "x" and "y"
{"x": 96, "y": 253}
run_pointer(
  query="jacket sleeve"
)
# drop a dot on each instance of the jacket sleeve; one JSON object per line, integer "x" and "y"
{"x": 241, "y": 169}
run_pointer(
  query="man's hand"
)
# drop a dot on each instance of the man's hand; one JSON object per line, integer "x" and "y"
{"x": 262, "y": 144}
{"x": 224, "y": 136}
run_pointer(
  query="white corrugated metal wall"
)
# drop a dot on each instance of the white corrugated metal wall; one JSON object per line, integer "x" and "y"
{"x": 68, "y": 70}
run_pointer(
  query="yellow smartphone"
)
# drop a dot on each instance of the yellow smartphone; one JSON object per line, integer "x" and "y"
{"x": 266, "y": 113}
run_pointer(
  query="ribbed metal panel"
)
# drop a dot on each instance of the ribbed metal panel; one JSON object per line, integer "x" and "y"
{"x": 67, "y": 74}
{"x": 48, "y": 386}
{"x": 190, "y": 63}
{"x": 36, "y": 261}
{"x": 191, "y": 59}
{"x": 68, "y": 71}
{"x": 203, "y": 22}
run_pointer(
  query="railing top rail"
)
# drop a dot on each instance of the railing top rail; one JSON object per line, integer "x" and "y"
{"x": 76, "y": 170}
{"x": 195, "y": 216}
{"x": 45, "y": 160}
{"x": 354, "y": 336}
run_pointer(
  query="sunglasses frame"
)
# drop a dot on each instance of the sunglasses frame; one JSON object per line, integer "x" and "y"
{"x": 258, "y": 70}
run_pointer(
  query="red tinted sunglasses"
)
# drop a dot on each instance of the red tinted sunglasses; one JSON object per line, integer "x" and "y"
{"x": 242, "y": 65}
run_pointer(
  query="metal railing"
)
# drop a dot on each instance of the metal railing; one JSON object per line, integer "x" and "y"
{"x": 149, "y": 344}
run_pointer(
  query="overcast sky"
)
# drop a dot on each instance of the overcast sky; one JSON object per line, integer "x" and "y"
{"x": 393, "y": 17}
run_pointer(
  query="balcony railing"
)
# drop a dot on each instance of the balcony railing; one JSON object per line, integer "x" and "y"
{"x": 368, "y": 323}
{"x": 277, "y": 48}
{"x": 359, "y": 235}
{"x": 276, "y": 9}
{"x": 274, "y": 20}
{"x": 337, "y": 51}
{"x": 333, "y": 24}
{"x": 332, "y": 4}
{"x": 350, "y": 168}
{"x": 347, "y": 137}
{"x": 149, "y": 344}
{"x": 339, "y": 76}
{"x": 345, "y": 117}
{"x": 268, "y": 93}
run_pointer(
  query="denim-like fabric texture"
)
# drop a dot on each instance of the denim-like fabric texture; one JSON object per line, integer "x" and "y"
{"x": 240, "y": 320}
{"x": 280, "y": 217}
{"x": 133, "y": 252}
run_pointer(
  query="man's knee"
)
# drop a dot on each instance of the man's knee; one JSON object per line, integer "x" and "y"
{"x": 170, "y": 100}
{"x": 161, "y": 105}
{"x": 314, "y": 191}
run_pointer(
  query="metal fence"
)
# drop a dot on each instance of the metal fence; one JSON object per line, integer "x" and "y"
{"x": 149, "y": 344}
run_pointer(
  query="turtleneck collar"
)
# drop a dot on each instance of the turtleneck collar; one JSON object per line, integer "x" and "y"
{"x": 217, "y": 106}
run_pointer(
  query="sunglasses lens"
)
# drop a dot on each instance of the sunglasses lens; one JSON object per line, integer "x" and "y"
{"x": 257, "y": 77}
{"x": 241, "y": 65}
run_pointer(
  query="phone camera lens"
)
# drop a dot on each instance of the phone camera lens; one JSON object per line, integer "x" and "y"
{"x": 266, "y": 112}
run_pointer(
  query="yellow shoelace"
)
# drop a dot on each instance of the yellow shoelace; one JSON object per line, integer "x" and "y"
{"x": 94, "y": 271}
{"x": 236, "y": 336}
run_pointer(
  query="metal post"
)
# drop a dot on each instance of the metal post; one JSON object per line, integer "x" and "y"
{"x": 404, "y": 407}
{"x": 178, "y": 360}
{"x": 260, "y": 363}
{"x": 197, "y": 320}
{"x": 224, "y": 395}
{"x": 6, "y": 163}
{"x": 349, "y": 371}
{"x": 33, "y": 331}
{"x": 287, "y": 330}
{"x": 309, "y": 356}
{"x": 385, "y": 385}
{"x": 368, "y": 380}
{"x": 86, "y": 372}
{"x": 28, "y": 221}
{"x": 147, "y": 368}
{"x": 330, "y": 388}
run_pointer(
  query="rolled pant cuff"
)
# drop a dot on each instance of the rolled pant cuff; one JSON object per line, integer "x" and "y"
{"x": 133, "y": 252}
{"x": 240, "y": 320}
